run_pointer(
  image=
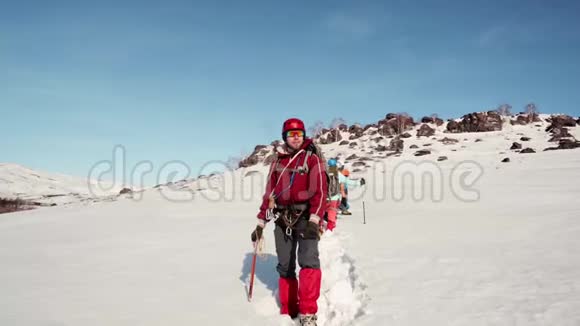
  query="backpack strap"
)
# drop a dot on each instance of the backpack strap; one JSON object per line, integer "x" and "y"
{"x": 304, "y": 167}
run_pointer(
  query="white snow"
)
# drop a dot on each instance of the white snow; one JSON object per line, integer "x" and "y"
{"x": 511, "y": 257}
{"x": 17, "y": 181}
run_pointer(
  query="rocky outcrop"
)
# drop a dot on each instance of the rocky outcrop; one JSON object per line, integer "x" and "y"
{"x": 524, "y": 119}
{"x": 476, "y": 122}
{"x": 561, "y": 120}
{"x": 425, "y": 131}
{"x": 433, "y": 120}
{"x": 260, "y": 152}
{"x": 565, "y": 144}
{"x": 355, "y": 131}
{"x": 559, "y": 133}
{"x": 395, "y": 124}
{"x": 397, "y": 145}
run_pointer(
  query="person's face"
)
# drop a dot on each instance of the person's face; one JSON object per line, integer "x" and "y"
{"x": 295, "y": 139}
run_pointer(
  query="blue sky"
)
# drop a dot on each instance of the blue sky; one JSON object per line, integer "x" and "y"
{"x": 198, "y": 81}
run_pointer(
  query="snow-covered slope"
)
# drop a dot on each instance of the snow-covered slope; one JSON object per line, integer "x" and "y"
{"x": 47, "y": 189}
{"x": 480, "y": 243}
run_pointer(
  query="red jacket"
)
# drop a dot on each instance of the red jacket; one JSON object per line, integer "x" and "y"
{"x": 308, "y": 187}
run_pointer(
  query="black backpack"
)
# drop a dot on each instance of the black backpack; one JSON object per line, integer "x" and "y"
{"x": 333, "y": 183}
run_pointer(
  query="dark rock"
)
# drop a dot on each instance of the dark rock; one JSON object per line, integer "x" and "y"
{"x": 367, "y": 127}
{"x": 561, "y": 121}
{"x": 249, "y": 161}
{"x": 449, "y": 141}
{"x": 425, "y": 131}
{"x": 524, "y": 119}
{"x": 373, "y": 132}
{"x": 333, "y": 137}
{"x": 477, "y": 122}
{"x": 357, "y": 164}
{"x": 516, "y": 145}
{"x": 506, "y": 160}
{"x": 356, "y": 170}
{"x": 356, "y": 132}
{"x": 422, "y": 152}
{"x": 478, "y": 140}
{"x": 442, "y": 158}
{"x": 453, "y": 126}
{"x": 565, "y": 144}
{"x": 342, "y": 127}
{"x": 381, "y": 148}
{"x": 525, "y": 139}
{"x": 425, "y": 145}
{"x": 396, "y": 145}
{"x": 434, "y": 120}
{"x": 406, "y": 135}
{"x": 378, "y": 139}
{"x": 527, "y": 150}
{"x": 352, "y": 157}
{"x": 259, "y": 147}
{"x": 125, "y": 191}
{"x": 414, "y": 146}
{"x": 344, "y": 142}
{"x": 353, "y": 144}
{"x": 558, "y": 133}
{"x": 395, "y": 124}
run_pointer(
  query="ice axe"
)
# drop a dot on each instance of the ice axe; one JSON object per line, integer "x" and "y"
{"x": 253, "y": 272}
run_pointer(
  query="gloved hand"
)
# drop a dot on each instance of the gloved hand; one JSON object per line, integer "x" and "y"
{"x": 362, "y": 181}
{"x": 311, "y": 231}
{"x": 257, "y": 233}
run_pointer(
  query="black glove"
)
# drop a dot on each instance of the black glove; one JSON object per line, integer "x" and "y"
{"x": 257, "y": 233}
{"x": 362, "y": 181}
{"x": 311, "y": 231}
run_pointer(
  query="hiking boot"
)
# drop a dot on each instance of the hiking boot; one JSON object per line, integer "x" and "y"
{"x": 308, "y": 320}
{"x": 345, "y": 212}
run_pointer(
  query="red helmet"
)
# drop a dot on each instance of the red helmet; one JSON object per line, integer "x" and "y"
{"x": 292, "y": 124}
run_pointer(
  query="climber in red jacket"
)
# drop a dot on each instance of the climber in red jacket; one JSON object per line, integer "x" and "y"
{"x": 295, "y": 198}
